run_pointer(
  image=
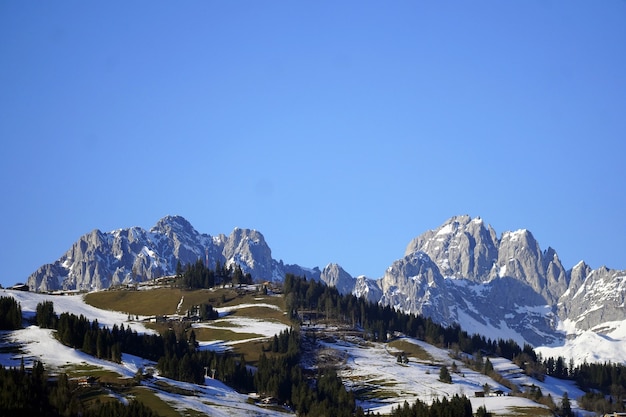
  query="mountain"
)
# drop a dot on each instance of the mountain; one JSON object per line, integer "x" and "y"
{"x": 98, "y": 260}
{"x": 503, "y": 287}
{"x": 461, "y": 272}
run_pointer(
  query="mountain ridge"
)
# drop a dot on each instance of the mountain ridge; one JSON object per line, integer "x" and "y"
{"x": 461, "y": 272}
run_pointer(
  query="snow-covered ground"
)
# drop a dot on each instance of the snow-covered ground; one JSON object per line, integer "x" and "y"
{"x": 245, "y": 325}
{"x": 370, "y": 367}
{"x": 374, "y": 368}
{"x": 72, "y": 304}
{"x": 602, "y": 344}
{"x": 213, "y": 398}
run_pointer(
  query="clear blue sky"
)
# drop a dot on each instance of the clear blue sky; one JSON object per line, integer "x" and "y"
{"x": 340, "y": 130}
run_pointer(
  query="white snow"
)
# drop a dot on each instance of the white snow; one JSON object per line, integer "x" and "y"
{"x": 73, "y": 304}
{"x": 212, "y": 399}
{"x": 180, "y": 304}
{"x": 375, "y": 368}
{"x": 445, "y": 230}
{"x": 41, "y": 344}
{"x": 264, "y": 328}
{"x": 602, "y": 344}
{"x": 489, "y": 330}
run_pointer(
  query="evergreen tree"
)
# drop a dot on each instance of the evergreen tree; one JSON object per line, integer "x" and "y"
{"x": 566, "y": 407}
{"x": 444, "y": 375}
{"x": 10, "y": 314}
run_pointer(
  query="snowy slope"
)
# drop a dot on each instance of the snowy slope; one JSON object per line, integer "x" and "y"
{"x": 374, "y": 367}
{"x": 72, "y": 304}
{"x": 603, "y": 343}
{"x": 214, "y": 398}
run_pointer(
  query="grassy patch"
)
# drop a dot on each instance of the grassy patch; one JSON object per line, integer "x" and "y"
{"x": 372, "y": 392}
{"x": 205, "y": 335}
{"x": 254, "y": 298}
{"x": 251, "y": 351}
{"x": 164, "y": 301}
{"x": 529, "y": 412}
{"x": 161, "y": 301}
{"x": 151, "y": 400}
{"x": 84, "y": 370}
{"x": 263, "y": 313}
{"x": 164, "y": 386}
{"x": 412, "y": 350}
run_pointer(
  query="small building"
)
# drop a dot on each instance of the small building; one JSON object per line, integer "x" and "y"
{"x": 19, "y": 287}
{"x": 87, "y": 382}
{"x": 479, "y": 394}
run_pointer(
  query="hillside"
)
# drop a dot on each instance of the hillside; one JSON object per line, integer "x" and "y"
{"x": 247, "y": 322}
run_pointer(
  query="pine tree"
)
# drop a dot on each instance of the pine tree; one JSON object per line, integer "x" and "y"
{"x": 444, "y": 375}
{"x": 566, "y": 408}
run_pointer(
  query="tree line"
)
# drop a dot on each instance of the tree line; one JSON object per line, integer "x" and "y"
{"x": 80, "y": 333}
{"x": 308, "y": 297}
{"x": 10, "y": 314}
{"x": 177, "y": 356}
{"x": 282, "y": 377}
{"x": 318, "y": 301}
{"x": 183, "y": 361}
{"x": 456, "y": 406}
{"x": 31, "y": 392}
{"x": 605, "y": 383}
{"x": 198, "y": 275}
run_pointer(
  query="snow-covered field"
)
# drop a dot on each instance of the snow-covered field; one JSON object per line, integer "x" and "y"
{"x": 72, "y": 304}
{"x": 602, "y": 344}
{"x": 374, "y": 368}
{"x": 213, "y": 398}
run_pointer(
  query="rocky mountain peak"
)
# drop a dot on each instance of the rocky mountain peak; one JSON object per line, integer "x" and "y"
{"x": 170, "y": 225}
{"x": 414, "y": 284}
{"x": 247, "y": 248}
{"x": 462, "y": 247}
{"x": 335, "y": 276}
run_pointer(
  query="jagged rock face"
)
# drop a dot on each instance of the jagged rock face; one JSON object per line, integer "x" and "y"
{"x": 334, "y": 276}
{"x": 462, "y": 248}
{"x": 577, "y": 277}
{"x": 556, "y": 276}
{"x": 506, "y": 283}
{"x": 600, "y": 298}
{"x": 174, "y": 239}
{"x": 520, "y": 257}
{"x": 467, "y": 248}
{"x": 507, "y": 305}
{"x": 98, "y": 260}
{"x": 248, "y": 248}
{"x": 414, "y": 284}
{"x": 368, "y": 289}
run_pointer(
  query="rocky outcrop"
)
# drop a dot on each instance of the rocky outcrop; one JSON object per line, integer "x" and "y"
{"x": 247, "y": 248}
{"x": 334, "y": 276}
{"x": 464, "y": 273}
{"x": 98, "y": 260}
{"x": 599, "y": 297}
{"x": 414, "y": 284}
{"x": 462, "y": 248}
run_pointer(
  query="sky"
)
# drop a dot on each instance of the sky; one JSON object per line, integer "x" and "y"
{"x": 339, "y": 130}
